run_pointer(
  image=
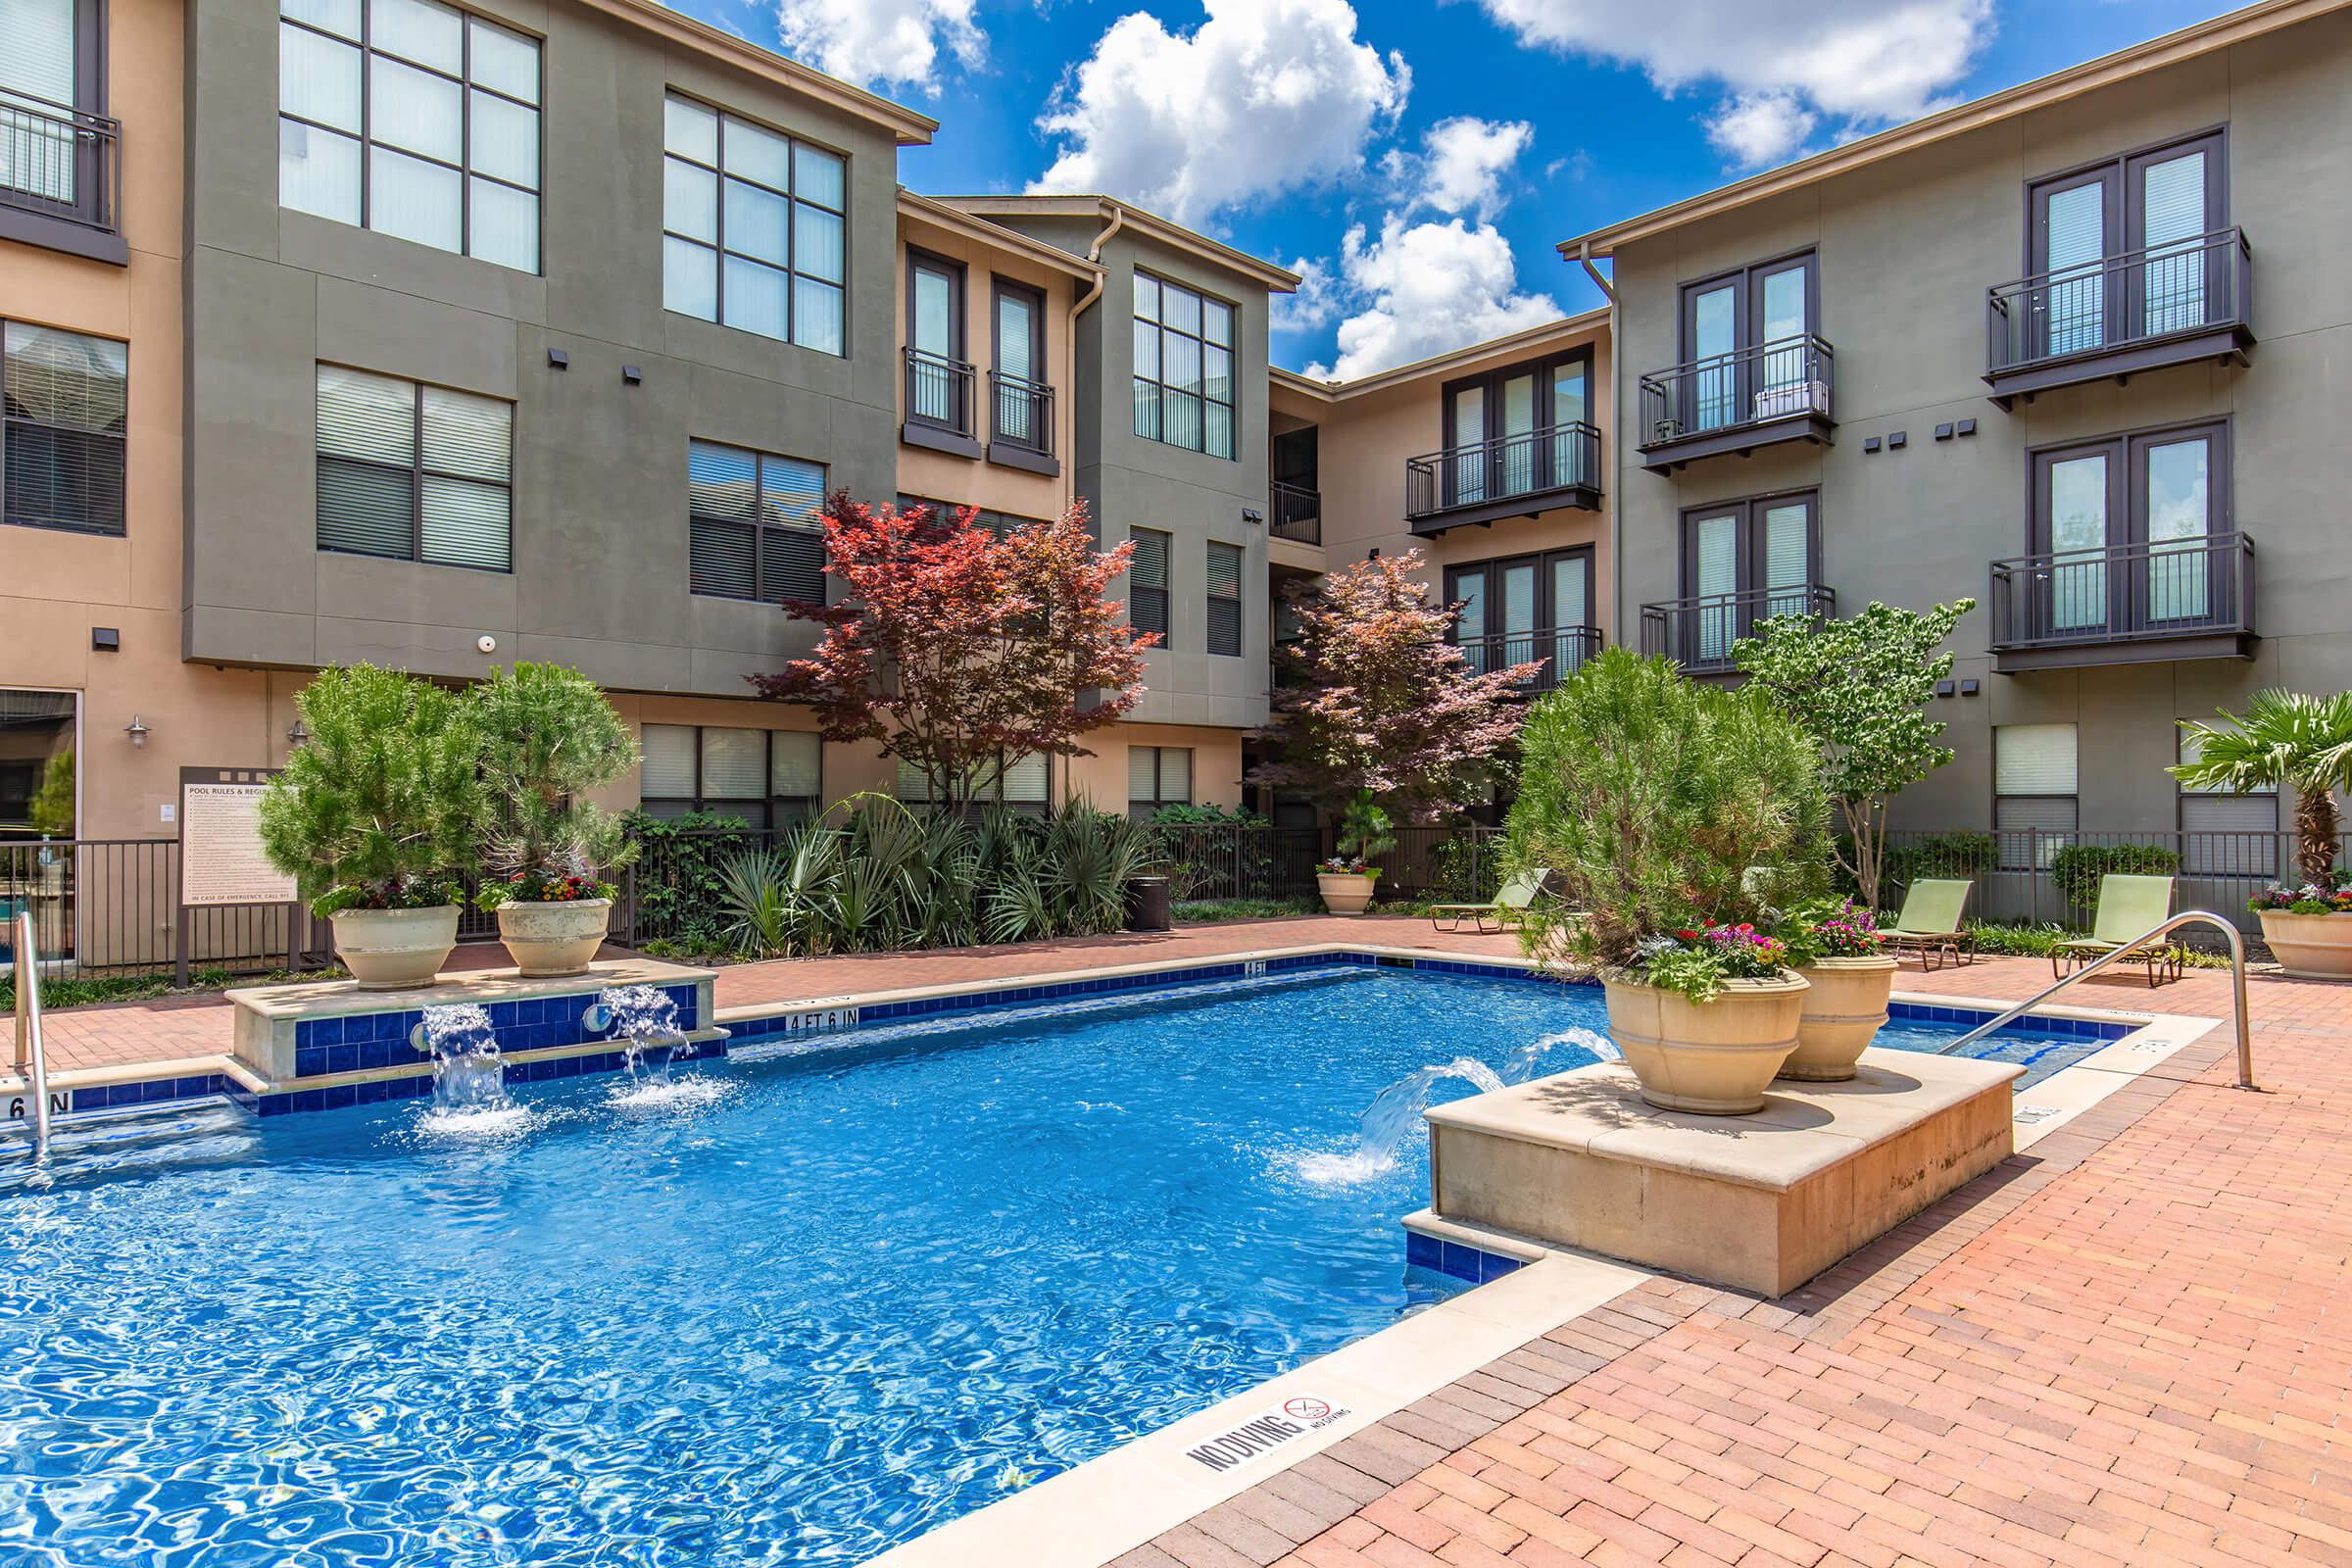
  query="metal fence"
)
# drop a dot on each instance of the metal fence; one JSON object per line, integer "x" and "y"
{"x": 111, "y": 906}
{"x": 2051, "y": 875}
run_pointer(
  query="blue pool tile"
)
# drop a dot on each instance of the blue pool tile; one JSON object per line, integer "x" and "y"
{"x": 1423, "y": 1252}
{"x": 1493, "y": 1267}
{"x": 1459, "y": 1260}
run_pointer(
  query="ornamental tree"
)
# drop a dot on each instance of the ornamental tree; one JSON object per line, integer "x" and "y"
{"x": 1388, "y": 712}
{"x": 548, "y": 736}
{"x": 1861, "y": 687}
{"x": 956, "y": 649}
{"x": 2287, "y": 738}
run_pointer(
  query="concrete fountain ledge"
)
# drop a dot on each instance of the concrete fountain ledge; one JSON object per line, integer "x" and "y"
{"x": 1759, "y": 1202}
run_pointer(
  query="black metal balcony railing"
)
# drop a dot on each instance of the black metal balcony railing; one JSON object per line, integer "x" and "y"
{"x": 2120, "y": 302}
{"x": 2153, "y": 591}
{"x": 1562, "y": 649}
{"x": 1788, "y": 379}
{"x": 1699, "y": 631}
{"x": 1501, "y": 473}
{"x": 939, "y": 392}
{"x": 1022, "y": 413}
{"x": 1296, "y": 513}
{"x": 59, "y": 162}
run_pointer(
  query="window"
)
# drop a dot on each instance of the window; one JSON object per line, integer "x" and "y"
{"x": 1024, "y": 405}
{"x": 1224, "y": 598}
{"x": 938, "y": 376}
{"x": 1745, "y": 561}
{"x": 752, "y": 227}
{"x": 412, "y": 118}
{"x": 1523, "y": 609}
{"x": 52, "y": 65}
{"x": 2152, "y": 212}
{"x": 64, "y": 402}
{"x": 766, "y": 777}
{"x": 2226, "y": 835}
{"x": 1509, "y": 432}
{"x": 2129, "y": 524}
{"x": 751, "y": 524}
{"x": 1020, "y": 783}
{"x": 1747, "y": 346}
{"x": 414, "y": 473}
{"x": 1157, "y": 776}
{"x": 995, "y": 521}
{"x": 1147, "y": 582}
{"x": 1182, "y": 367}
{"x": 2033, "y": 805}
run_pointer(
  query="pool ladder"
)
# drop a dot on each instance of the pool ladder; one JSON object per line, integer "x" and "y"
{"x": 2237, "y": 989}
{"x": 32, "y": 1060}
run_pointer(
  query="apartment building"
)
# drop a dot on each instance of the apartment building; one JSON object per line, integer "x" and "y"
{"x": 2081, "y": 351}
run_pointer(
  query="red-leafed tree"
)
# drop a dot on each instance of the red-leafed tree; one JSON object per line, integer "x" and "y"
{"x": 957, "y": 649}
{"x": 1385, "y": 711}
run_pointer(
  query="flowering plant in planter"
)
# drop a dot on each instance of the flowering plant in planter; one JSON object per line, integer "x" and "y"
{"x": 541, "y": 886}
{"x": 1346, "y": 865}
{"x": 1830, "y": 928}
{"x": 2332, "y": 897}
{"x": 1697, "y": 962}
{"x": 404, "y": 893}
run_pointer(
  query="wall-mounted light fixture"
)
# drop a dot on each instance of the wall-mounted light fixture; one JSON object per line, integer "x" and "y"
{"x": 1253, "y": 517}
{"x": 298, "y": 732}
{"x": 136, "y": 731}
{"x": 558, "y": 360}
{"x": 106, "y": 640}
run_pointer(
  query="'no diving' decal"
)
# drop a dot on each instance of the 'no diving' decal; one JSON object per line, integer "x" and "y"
{"x": 1263, "y": 1433}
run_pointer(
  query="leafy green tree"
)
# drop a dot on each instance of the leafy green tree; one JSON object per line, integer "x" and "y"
{"x": 1658, "y": 802}
{"x": 2290, "y": 739}
{"x": 548, "y": 736}
{"x": 1860, "y": 686}
{"x": 380, "y": 805}
{"x": 52, "y": 806}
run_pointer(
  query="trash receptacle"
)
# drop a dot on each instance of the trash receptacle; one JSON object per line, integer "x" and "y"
{"x": 1147, "y": 904}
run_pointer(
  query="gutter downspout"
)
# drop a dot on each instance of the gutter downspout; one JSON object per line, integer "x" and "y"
{"x": 1584, "y": 257}
{"x": 1094, "y": 256}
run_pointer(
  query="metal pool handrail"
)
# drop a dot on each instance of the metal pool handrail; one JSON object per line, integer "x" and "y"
{"x": 33, "y": 1059}
{"x": 2237, "y": 977}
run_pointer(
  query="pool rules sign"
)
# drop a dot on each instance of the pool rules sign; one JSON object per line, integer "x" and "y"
{"x": 221, "y": 861}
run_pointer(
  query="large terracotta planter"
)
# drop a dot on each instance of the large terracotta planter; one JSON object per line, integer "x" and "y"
{"x": 395, "y": 950}
{"x": 553, "y": 939}
{"x": 2309, "y": 947}
{"x": 1714, "y": 1057}
{"x": 1846, "y": 1007}
{"x": 1346, "y": 891}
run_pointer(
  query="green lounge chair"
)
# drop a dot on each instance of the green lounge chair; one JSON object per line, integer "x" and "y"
{"x": 1507, "y": 908}
{"x": 2129, "y": 907}
{"x": 1929, "y": 927}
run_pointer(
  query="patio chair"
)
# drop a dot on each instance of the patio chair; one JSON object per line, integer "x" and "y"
{"x": 2129, "y": 907}
{"x": 1506, "y": 909}
{"x": 1928, "y": 926}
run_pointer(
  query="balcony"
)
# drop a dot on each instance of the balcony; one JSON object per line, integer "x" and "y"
{"x": 2131, "y": 604}
{"x": 1755, "y": 397}
{"x": 2171, "y": 304}
{"x": 1509, "y": 476}
{"x": 1700, "y": 632}
{"x": 1294, "y": 511}
{"x": 60, "y": 174}
{"x": 939, "y": 403}
{"x": 1020, "y": 430}
{"x": 1563, "y": 650}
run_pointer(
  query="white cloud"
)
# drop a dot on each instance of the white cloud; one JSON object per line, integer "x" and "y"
{"x": 1461, "y": 165}
{"x": 1784, "y": 63}
{"x": 1429, "y": 287}
{"x": 1312, "y": 303}
{"x": 1263, "y": 96}
{"x": 881, "y": 42}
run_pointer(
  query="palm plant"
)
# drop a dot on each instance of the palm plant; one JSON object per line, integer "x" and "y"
{"x": 2287, "y": 738}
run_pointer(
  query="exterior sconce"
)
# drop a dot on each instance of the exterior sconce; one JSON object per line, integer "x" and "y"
{"x": 298, "y": 732}
{"x": 136, "y": 731}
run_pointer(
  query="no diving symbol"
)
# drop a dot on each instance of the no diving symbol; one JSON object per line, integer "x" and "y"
{"x": 1305, "y": 1410}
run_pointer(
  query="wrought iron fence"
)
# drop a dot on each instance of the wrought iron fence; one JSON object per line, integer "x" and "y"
{"x": 2138, "y": 592}
{"x": 2051, "y": 875}
{"x": 939, "y": 392}
{"x": 59, "y": 161}
{"x": 1531, "y": 463}
{"x": 111, "y": 906}
{"x": 1786, "y": 378}
{"x": 2120, "y": 301}
{"x": 1296, "y": 511}
{"x": 1023, "y": 414}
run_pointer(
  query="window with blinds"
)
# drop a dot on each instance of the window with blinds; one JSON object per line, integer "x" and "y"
{"x": 1157, "y": 776}
{"x": 752, "y": 227}
{"x": 413, "y": 118}
{"x": 414, "y": 473}
{"x": 1147, "y": 582}
{"x": 945, "y": 512}
{"x": 38, "y": 61}
{"x": 62, "y": 419}
{"x": 1182, "y": 367}
{"x": 763, "y": 778}
{"x": 2225, "y": 834}
{"x": 1224, "y": 598}
{"x": 2035, "y": 808}
{"x": 752, "y": 528}
{"x": 1021, "y": 783}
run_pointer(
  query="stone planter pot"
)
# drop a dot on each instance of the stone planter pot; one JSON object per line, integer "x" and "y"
{"x": 1714, "y": 1057}
{"x": 553, "y": 939}
{"x": 395, "y": 950}
{"x": 1846, "y": 1007}
{"x": 1346, "y": 891}
{"x": 2309, "y": 947}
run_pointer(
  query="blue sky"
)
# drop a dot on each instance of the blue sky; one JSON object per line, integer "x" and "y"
{"x": 1418, "y": 160}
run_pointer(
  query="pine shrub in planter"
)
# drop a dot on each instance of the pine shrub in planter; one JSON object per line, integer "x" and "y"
{"x": 373, "y": 818}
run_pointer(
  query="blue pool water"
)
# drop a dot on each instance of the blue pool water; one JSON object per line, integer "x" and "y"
{"x": 796, "y": 1312}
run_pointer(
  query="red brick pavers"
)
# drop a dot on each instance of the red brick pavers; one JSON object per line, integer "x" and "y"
{"x": 2125, "y": 1345}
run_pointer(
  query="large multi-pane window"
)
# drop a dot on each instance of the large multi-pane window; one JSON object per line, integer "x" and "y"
{"x": 752, "y": 227}
{"x": 414, "y": 473}
{"x": 1224, "y": 598}
{"x": 945, "y": 512}
{"x": 764, "y": 777}
{"x": 1147, "y": 582}
{"x": 62, "y": 420}
{"x": 1157, "y": 776}
{"x": 2033, "y": 800}
{"x": 1183, "y": 367}
{"x": 1019, "y": 782}
{"x": 751, "y": 524}
{"x": 412, "y": 118}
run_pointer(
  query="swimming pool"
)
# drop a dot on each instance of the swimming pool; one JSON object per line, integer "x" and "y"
{"x": 796, "y": 1310}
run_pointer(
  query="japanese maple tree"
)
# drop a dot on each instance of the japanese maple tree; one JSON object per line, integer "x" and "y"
{"x": 957, "y": 649}
{"x": 1388, "y": 712}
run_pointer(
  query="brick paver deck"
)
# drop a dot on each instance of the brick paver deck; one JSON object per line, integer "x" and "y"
{"x": 2127, "y": 1345}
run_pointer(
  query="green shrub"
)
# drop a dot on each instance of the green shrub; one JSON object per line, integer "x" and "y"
{"x": 548, "y": 736}
{"x": 2077, "y": 869}
{"x": 1936, "y": 854}
{"x": 1208, "y": 912}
